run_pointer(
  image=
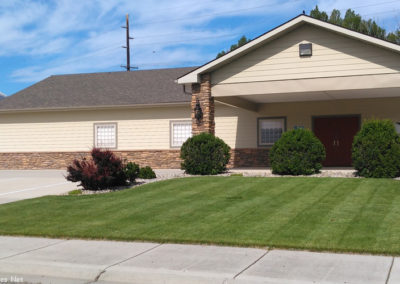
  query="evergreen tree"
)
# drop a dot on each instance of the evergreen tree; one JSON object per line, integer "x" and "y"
{"x": 335, "y": 17}
{"x": 394, "y": 36}
{"x": 242, "y": 41}
{"x": 354, "y": 21}
{"x": 351, "y": 20}
{"x": 317, "y": 14}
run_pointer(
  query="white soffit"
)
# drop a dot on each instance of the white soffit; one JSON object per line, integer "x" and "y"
{"x": 324, "y": 96}
{"x": 193, "y": 77}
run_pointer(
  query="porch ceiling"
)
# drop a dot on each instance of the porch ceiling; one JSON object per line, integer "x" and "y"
{"x": 323, "y": 95}
{"x": 318, "y": 89}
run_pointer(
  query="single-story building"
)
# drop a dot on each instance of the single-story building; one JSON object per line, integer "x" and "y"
{"x": 305, "y": 73}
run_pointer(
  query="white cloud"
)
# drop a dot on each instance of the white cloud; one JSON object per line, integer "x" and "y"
{"x": 85, "y": 36}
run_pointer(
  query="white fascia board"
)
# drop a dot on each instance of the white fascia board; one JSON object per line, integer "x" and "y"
{"x": 193, "y": 77}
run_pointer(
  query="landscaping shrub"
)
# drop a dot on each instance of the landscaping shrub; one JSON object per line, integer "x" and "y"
{"x": 376, "y": 150}
{"x": 297, "y": 152}
{"x": 147, "y": 173}
{"x": 104, "y": 170}
{"x": 204, "y": 154}
{"x": 132, "y": 171}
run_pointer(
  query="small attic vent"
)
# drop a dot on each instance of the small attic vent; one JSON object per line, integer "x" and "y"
{"x": 305, "y": 49}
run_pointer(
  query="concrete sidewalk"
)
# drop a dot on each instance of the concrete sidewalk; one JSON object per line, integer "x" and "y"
{"x": 40, "y": 260}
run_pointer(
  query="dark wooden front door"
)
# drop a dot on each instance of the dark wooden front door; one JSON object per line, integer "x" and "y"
{"x": 337, "y": 133}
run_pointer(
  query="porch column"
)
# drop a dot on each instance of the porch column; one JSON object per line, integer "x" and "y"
{"x": 202, "y": 106}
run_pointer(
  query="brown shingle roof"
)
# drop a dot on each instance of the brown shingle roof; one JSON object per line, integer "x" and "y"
{"x": 143, "y": 87}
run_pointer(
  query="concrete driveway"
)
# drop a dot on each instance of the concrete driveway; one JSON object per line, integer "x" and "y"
{"x": 24, "y": 184}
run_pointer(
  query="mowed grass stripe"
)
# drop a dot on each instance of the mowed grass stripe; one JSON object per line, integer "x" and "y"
{"x": 329, "y": 230}
{"x": 365, "y": 226}
{"x": 176, "y": 214}
{"x": 307, "y": 194}
{"x": 259, "y": 220}
{"x": 359, "y": 215}
{"x": 389, "y": 229}
{"x": 297, "y": 230}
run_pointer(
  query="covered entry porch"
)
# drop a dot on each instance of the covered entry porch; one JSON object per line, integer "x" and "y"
{"x": 252, "y": 123}
{"x": 305, "y": 73}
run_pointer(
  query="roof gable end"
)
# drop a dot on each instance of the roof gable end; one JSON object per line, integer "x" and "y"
{"x": 193, "y": 76}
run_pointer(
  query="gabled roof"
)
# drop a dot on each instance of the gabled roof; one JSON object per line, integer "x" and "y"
{"x": 136, "y": 88}
{"x": 193, "y": 76}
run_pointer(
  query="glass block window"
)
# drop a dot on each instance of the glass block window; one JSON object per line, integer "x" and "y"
{"x": 105, "y": 135}
{"x": 270, "y": 130}
{"x": 180, "y": 132}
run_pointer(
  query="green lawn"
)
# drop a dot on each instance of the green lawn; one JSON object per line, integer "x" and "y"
{"x": 358, "y": 215}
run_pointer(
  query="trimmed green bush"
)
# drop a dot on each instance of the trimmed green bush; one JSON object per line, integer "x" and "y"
{"x": 204, "y": 154}
{"x": 132, "y": 171}
{"x": 297, "y": 152}
{"x": 376, "y": 150}
{"x": 147, "y": 173}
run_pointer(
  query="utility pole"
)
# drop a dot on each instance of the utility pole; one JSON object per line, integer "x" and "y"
{"x": 128, "y": 51}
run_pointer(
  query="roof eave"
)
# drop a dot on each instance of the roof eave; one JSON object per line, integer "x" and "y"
{"x": 5, "y": 111}
{"x": 194, "y": 76}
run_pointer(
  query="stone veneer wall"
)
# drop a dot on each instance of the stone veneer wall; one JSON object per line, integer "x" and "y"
{"x": 158, "y": 159}
{"x": 249, "y": 157}
{"x": 161, "y": 159}
{"x": 202, "y": 93}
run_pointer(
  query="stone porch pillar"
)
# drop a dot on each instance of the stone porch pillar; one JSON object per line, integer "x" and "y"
{"x": 201, "y": 97}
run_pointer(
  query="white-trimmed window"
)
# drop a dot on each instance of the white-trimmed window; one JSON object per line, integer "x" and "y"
{"x": 105, "y": 135}
{"x": 180, "y": 132}
{"x": 270, "y": 130}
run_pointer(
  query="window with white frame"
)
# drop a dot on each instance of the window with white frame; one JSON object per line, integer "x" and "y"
{"x": 270, "y": 130}
{"x": 180, "y": 132}
{"x": 105, "y": 135}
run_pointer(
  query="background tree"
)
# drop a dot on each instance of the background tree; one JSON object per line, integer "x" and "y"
{"x": 394, "y": 36}
{"x": 317, "y": 14}
{"x": 355, "y": 22}
{"x": 351, "y": 20}
{"x": 335, "y": 17}
{"x": 242, "y": 41}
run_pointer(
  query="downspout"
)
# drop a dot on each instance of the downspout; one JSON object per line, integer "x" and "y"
{"x": 184, "y": 90}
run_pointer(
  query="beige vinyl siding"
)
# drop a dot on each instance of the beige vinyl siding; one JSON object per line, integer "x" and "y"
{"x": 138, "y": 129}
{"x": 238, "y": 127}
{"x": 333, "y": 55}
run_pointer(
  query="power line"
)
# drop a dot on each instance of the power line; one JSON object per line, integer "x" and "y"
{"x": 190, "y": 40}
{"x": 110, "y": 49}
{"x": 219, "y": 13}
{"x": 258, "y": 7}
{"x": 383, "y": 12}
{"x": 370, "y": 5}
{"x": 180, "y": 6}
{"x": 234, "y": 11}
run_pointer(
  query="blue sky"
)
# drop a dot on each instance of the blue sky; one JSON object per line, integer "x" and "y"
{"x": 42, "y": 38}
